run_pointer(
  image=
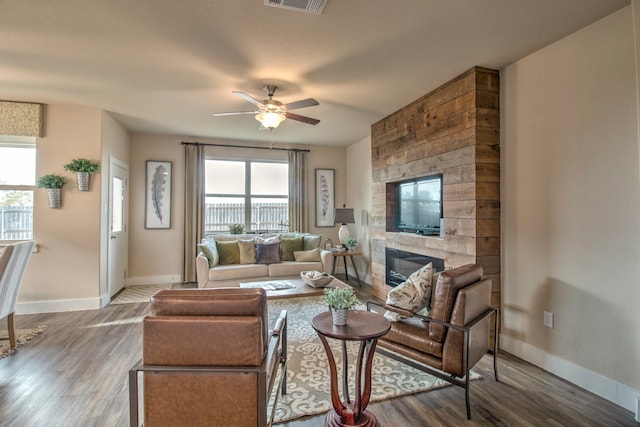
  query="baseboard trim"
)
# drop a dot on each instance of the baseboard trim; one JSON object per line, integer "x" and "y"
{"x": 57, "y": 306}
{"x": 152, "y": 280}
{"x": 613, "y": 391}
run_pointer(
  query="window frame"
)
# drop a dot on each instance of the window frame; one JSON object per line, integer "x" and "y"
{"x": 247, "y": 196}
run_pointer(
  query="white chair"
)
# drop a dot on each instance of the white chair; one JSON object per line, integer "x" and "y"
{"x": 13, "y": 263}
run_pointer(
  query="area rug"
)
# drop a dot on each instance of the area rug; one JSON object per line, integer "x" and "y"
{"x": 138, "y": 293}
{"x": 308, "y": 384}
{"x": 22, "y": 336}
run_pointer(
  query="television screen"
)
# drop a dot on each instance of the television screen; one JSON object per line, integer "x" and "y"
{"x": 420, "y": 205}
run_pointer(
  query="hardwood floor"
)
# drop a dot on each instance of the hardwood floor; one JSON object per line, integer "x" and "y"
{"x": 75, "y": 374}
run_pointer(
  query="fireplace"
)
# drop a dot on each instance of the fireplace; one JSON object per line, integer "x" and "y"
{"x": 400, "y": 264}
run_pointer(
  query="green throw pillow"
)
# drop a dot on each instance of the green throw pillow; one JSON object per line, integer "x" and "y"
{"x": 288, "y": 246}
{"x": 229, "y": 252}
{"x": 209, "y": 249}
{"x": 311, "y": 241}
{"x": 307, "y": 256}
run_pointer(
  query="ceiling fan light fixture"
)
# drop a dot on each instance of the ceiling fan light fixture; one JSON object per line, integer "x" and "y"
{"x": 270, "y": 120}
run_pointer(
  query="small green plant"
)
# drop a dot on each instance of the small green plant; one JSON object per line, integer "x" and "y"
{"x": 50, "y": 181}
{"x": 236, "y": 228}
{"x": 340, "y": 298}
{"x": 82, "y": 165}
{"x": 351, "y": 242}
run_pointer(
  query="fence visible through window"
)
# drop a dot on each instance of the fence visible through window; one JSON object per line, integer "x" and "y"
{"x": 16, "y": 222}
{"x": 264, "y": 216}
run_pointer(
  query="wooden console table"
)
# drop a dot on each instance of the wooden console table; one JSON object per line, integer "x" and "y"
{"x": 344, "y": 256}
{"x": 365, "y": 327}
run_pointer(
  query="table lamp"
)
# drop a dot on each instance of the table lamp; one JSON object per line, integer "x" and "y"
{"x": 344, "y": 216}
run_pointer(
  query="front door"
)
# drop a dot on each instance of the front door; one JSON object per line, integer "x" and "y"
{"x": 118, "y": 226}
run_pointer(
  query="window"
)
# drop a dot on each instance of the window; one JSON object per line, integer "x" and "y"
{"x": 17, "y": 186}
{"x": 252, "y": 193}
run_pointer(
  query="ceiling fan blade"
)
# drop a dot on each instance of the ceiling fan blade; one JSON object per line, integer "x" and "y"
{"x": 234, "y": 113}
{"x": 302, "y": 119}
{"x": 249, "y": 98}
{"x": 309, "y": 102}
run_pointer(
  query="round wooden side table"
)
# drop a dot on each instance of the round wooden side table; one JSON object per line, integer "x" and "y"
{"x": 365, "y": 327}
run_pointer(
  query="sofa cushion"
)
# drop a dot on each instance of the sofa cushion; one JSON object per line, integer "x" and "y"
{"x": 272, "y": 239}
{"x": 414, "y": 294}
{"x": 229, "y": 252}
{"x": 311, "y": 241}
{"x": 209, "y": 249}
{"x": 288, "y": 246}
{"x": 247, "y": 251}
{"x": 238, "y": 271}
{"x": 310, "y": 255}
{"x": 292, "y": 268}
{"x": 267, "y": 253}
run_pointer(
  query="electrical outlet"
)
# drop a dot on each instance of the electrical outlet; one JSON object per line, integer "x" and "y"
{"x": 548, "y": 319}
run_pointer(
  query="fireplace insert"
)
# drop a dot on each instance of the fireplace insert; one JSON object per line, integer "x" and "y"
{"x": 400, "y": 264}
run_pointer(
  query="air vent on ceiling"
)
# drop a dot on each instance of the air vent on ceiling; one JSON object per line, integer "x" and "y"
{"x": 309, "y": 6}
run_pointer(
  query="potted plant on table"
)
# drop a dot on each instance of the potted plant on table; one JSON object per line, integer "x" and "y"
{"x": 236, "y": 229}
{"x": 340, "y": 300}
{"x": 351, "y": 243}
{"x": 53, "y": 183}
{"x": 83, "y": 168}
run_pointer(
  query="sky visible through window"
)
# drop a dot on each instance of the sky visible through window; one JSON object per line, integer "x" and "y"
{"x": 17, "y": 166}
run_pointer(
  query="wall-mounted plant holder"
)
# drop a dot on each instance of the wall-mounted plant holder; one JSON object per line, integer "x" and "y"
{"x": 54, "y": 197}
{"x": 83, "y": 169}
{"x": 53, "y": 183}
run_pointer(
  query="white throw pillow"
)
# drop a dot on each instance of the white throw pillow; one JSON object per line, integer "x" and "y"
{"x": 414, "y": 294}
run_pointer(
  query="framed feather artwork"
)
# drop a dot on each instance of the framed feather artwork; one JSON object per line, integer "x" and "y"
{"x": 325, "y": 198}
{"x": 158, "y": 195}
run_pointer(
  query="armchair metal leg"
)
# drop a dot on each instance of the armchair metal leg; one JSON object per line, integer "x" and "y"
{"x": 133, "y": 396}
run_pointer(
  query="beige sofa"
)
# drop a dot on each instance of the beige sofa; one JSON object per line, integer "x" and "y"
{"x": 217, "y": 265}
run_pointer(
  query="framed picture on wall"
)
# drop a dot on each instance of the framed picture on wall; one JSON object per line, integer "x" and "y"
{"x": 325, "y": 197}
{"x": 158, "y": 195}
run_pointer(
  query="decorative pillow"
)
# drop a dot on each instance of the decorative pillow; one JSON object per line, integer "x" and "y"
{"x": 268, "y": 253}
{"x": 414, "y": 294}
{"x": 288, "y": 246}
{"x": 307, "y": 256}
{"x": 247, "y": 251}
{"x": 229, "y": 252}
{"x": 209, "y": 249}
{"x": 272, "y": 239}
{"x": 311, "y": 241}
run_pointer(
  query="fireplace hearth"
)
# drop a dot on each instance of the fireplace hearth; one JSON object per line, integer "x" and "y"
{"x": 400, "y": 264}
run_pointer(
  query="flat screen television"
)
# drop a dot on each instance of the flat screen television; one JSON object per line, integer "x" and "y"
{"x": 419, "y": 205}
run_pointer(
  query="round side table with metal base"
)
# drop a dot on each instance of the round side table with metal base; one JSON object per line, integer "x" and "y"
{"x": 365, "y": 327}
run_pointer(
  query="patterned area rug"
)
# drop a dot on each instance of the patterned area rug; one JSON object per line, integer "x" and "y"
{"x": 138, "y": 293}
{"x": 308, "y": 385}
{"x": 22, "y": 336}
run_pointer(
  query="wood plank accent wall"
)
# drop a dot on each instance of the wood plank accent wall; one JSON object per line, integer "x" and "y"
{"x": 453, "y": 130}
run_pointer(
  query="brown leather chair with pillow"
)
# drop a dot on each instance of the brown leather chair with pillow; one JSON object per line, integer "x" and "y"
{"x": 208, "y": 358}
{"x": 454, "y": 335}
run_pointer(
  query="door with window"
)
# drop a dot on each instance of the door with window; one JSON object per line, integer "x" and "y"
{"x": 118, "y": 225}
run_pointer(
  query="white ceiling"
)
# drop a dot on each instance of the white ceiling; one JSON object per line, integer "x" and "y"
{"x": 163, "y": 66}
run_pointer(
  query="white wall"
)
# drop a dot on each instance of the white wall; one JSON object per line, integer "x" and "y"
{"x": 570, "y": 209}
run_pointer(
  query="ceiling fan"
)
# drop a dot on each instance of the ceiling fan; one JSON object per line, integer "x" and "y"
{"x": 271, "y": 112}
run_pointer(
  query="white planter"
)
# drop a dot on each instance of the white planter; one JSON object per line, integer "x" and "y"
{"x": 54, "y": 197}
{"x": 82, "y": 179}
{"x": 339, "y": 316}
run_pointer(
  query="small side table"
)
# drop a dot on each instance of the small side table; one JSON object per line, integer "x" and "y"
{"x": 344, "y": 256}
{"x": 363, "y": 326}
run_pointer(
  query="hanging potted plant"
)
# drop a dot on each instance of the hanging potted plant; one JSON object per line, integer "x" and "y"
{"x": 53, "y": 183}
{"x": 340, "y": 300}
{"x": 83, "y": 168}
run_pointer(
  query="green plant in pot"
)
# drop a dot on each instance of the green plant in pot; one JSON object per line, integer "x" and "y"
{"x": 83, "y": 168}
{"x": 351, "y": 243}
{"x": 236, "y": 228}
{"x": 340, "y": 300}
{"x": 53, "y": 183}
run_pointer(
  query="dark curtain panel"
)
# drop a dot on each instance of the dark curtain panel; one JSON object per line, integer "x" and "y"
{"x": 193, "y": 208}
{"x": 297, "y": 193}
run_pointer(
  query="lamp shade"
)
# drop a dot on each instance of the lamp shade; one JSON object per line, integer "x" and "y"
{"x": 270, "y": 120}
{"x": 344, "y": 216}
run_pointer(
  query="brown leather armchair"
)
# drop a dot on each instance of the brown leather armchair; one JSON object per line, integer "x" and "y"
{"x": 454, "y": 336}
{"x": 208, "y": 358}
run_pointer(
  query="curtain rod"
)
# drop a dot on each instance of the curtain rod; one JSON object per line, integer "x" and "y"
{"x": 247, "y": 146}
